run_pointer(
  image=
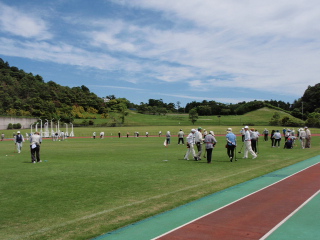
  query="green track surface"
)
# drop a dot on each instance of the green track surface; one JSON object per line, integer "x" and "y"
{"x": 302, "y": 225}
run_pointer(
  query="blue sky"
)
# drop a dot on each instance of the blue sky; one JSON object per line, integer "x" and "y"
{"x": 179, "y": 50}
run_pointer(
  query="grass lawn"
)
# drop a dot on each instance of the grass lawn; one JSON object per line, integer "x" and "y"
{"x": 258, "y": 117}
{"x": 86, "y": 187}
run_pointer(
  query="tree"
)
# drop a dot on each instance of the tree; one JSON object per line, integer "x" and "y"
{"x": 193, "y": 115}
{"x": 275, "y": 120}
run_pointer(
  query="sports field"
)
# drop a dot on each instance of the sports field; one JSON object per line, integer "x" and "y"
{"x": 86, "y": 187}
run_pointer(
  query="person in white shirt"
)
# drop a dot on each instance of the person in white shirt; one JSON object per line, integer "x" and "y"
{"x": 302, "y": 137}
{"x": 247, "y": 142}
{"x": 277, "y": 138}
{"x": 199, "y": 141}
{"x": 35, "y": 141}
{"x": 254, "y": 135}
{"x": 190, "y": 145}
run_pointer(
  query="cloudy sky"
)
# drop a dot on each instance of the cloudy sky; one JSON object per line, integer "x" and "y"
{"x": 176, "y": 50}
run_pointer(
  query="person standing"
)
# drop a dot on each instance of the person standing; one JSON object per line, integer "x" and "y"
{"x": 119, "y": 134}
{"x": 210, "y": 142}
{"x": 147, "y": 134}
{"x": 272, "y": 138}
{"x": 247, "y": 141}
{"x": 242, "y": 132}
{"x": 254, "y": 139}
{"x": 265, "y": 133}
{"x": 190, "y": 144}
{"x": 35, "y": 141}
{"x": 94, "y": 135}
{"x": 101, "y": 135}
{"x": 160, "y": 133}
{"x": 18, "y": 140}
{"x": 199, "y": 141}
{"x": 302, "y": 137}
{"x": 128, "y": 134}
{"x": 181, "y": 137}
{"x": 168, "y": 137}
{"x": 2, "y": 136}
{"x": 231, "y": 143}
{"x": 277, "y": 138}
{"x": 308, "y": 137}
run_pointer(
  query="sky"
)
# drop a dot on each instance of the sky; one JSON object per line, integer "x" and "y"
{"x": 226, "y": 51}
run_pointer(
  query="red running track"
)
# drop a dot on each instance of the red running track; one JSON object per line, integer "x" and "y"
{"x": 254, "y": 216}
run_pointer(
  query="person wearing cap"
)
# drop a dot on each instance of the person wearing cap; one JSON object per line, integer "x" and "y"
{"x": 210, "y": 142}
{"x": 254, "y": 139}
{"x": 35, "y": 141}
{"x": 190, "y": 145}
{"x": 247, "y": 141}
{"x": 199, "y": 141}
{"x": 205, "y": 133}
{"x": 18, "y": 140}
{"x": 231, "y": 144}
{"x": 302, "y": 137}
{"x": 265, "y": 133}
{"x": 308, "y": 137}
{"x": 242, "y": 134}
{"x": 181, "y": 137}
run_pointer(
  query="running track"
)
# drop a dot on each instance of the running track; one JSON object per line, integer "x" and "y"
{"x": 280, "y": 205}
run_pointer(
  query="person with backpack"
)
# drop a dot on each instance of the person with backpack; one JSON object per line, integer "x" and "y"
{"x": 18, "y": 140}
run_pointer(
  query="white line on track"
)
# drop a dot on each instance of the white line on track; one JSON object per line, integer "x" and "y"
{"x": 231, "y": 203}
{"x": 289, "y": 216}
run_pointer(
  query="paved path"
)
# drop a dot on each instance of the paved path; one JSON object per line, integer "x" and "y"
{"x": 280, "y": 205}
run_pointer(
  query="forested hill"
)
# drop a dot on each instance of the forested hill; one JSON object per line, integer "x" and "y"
{"x": 24, "y": 94}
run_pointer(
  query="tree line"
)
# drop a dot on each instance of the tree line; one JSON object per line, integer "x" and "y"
{"x": 25, "y": 94}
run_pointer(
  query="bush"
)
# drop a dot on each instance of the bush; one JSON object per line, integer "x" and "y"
{"x": 10, "y": 126}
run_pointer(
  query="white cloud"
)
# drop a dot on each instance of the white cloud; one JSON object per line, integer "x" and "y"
{"x": 20, "y": 23}
{"x": 202, "y": 44}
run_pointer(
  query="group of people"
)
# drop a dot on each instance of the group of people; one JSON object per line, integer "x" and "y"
{"x": 35, "y": 141}
{"x": 250, "y": 139}
{"x": 196, "y": 138}
{"x": 303, "y": 135}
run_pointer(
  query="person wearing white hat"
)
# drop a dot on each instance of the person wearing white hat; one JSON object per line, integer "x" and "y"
{"x": 242, "y": 134}
{"x": 210, "y": 142}
{"x": 231, "y": 143}
{"x": 247, "y": 142}
{"x": 18, "y": 140}
{"x": 199, "y": 141}
{"x": 190, "y": 145}
{"x": 308, "y": 137}
{"x": 302, "y": 137}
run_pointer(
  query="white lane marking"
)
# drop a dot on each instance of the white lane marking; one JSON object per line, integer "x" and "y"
{"x": 230, "y": 203}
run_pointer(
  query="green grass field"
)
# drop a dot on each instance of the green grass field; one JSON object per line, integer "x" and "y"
{"x": 86, "y": 187}
{"x": 259, "y": 117}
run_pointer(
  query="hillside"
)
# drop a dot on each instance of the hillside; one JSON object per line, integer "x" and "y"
{"x": 260, "y": 117}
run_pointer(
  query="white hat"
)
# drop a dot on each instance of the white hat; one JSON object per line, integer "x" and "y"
{"x": 211, "y": 132}
{"x": 229, "y": 130}
{"x": 193, "y": 130}
{"x": 246, "y": 127}
{"x": 18, "y": 132}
